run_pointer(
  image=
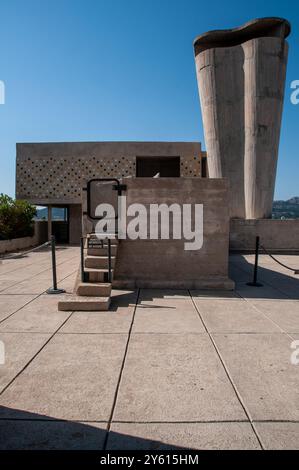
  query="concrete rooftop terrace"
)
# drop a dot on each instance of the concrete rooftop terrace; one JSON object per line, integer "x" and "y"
{"x": 162, "y": 370}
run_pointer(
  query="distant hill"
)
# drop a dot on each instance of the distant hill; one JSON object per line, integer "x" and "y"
{"x": 286, "y": 209}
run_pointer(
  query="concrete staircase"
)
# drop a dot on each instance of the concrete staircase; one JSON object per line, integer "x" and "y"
{"x": 95, "y": 292}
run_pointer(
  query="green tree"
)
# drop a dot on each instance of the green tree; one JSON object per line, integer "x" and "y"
{"x": 16, "y": 218}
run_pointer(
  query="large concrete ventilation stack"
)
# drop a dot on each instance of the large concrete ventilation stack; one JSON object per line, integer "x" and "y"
{"x": 241, "y": 78}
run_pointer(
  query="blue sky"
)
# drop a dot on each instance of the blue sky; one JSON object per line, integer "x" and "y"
{"x": 88, "y": 70}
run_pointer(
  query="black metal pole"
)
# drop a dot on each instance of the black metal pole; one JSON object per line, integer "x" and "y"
{"x": 109, "y": 260}
{"x": 254, "y": 283}
{"x": 54, "y": 289}
{"x": 82, "y": 259}
{"x": 54, "y": 262}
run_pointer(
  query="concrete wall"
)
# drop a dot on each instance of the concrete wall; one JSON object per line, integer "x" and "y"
{"x": 241, "y": 77}
{"x": 54, "y": 173}
{"x": 275, "y": 235}
{"x": 39, "y": 237}
{"x": 165, "y": 263}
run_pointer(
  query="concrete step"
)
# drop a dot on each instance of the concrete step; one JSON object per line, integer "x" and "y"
{"x": 89, "y": 289}
{"x": 98, "y": 262}
{"x": 97, "y": 275}
{"x": 102, "y": 251}
{"x": 80, "y": 304}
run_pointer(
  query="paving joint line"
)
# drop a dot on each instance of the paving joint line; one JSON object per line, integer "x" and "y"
{"x": 32, "y": 300}
{"x": 220, "y": 421}
{"x": 269, "y": 284}
{"x": 229, "y": 377}
{"x": 35, "y": 275}
{"x": 120, "y": 374}
{"x": 282, "y": 331}
{"x": 35, "y": 355}
{"x": 250, "y": 302}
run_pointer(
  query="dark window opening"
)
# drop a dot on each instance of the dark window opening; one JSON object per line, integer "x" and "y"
{"x": 166, "y": 167}
{"x": 204, "y": 172}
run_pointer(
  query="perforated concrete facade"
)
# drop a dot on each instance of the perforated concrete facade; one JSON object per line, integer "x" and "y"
{"x": 54, "y": 173}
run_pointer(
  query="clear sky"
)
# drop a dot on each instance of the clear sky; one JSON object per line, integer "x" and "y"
{"x": 88, "y": 70}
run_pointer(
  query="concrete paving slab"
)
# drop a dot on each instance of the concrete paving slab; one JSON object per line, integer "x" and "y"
{"x": 68, "y": 284}
{"x": 6, "y": 283}
{"x": 123, "y": 297}
{"x": 14, "y": 265}
{"x": 175, "y": 378}
{"x": 26, "y": 272}
{"x": 51, "y": 435}
{"x": 172, "y": 303}
{"x": 233, "y": 316}
{"x": 238, "y": 275}
{"x": 171, "y": 436}
{"x": 261, "y": 369}
{"x": 265, "y": 292}
{"x": 279, "y": 436}
{"x": 290, "y": 291}
{"x": 74, "y": 377}
{"x": 37, "y": 282}
{"x": 33, "y": 286}
{"x": 118, "y": 321}
{"x": 11, "y": 303}
{"x": 40, "y": 316}
{"x": 167, "y": 377}
{"x": 289, "y": 285}
{"x": 19, "y": 350}
{"x": 167, "y": 316}
{"x": 284, "y": 312}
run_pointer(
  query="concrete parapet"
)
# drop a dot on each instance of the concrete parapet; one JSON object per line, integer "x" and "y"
{"x": 275, "y": 235}
{"x": 166, "y": 263}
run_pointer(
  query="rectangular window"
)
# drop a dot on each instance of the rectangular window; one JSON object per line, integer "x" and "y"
{"x": 164, "y": 166}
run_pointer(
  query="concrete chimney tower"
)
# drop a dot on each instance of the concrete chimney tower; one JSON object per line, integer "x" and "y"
{"x": 241, "y": 78}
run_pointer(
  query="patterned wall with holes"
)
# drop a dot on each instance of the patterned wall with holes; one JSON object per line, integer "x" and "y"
{"x": 60, "y": 179}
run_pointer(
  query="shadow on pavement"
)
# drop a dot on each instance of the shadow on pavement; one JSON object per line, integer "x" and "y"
{"x": 21, "y": 430}
{"x": 276, "y": 285}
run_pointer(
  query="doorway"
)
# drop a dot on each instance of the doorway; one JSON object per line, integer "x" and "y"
{"x": 60, "y": 224}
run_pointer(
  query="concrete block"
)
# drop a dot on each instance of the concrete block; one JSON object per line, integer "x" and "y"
{"x": 98, "y": 262}
{"x": 78, "y": 303}
{"x": 90, "y": 289}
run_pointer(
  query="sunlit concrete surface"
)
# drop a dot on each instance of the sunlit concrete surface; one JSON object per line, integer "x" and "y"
{"x": 163, "y": 369}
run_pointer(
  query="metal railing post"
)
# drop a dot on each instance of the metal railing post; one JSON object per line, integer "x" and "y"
{"x": 109, "y": 260}
{"x": 254, "y": 283}
{"x": 54, "y": 289}
{"x": 82, "y": 259}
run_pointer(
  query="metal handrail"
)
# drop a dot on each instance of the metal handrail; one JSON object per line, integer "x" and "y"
{"x": 118, "y": 187}
{"x": 254, "y": 282}
{"x": 82, "y": 248}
